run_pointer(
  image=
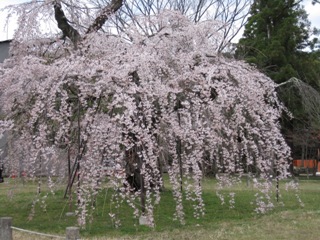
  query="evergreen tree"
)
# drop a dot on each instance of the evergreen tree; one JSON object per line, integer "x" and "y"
{"x": 277, "y": 41}
{"x": 274, "y": 38}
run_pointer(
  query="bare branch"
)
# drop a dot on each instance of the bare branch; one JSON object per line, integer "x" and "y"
{"x": 63, "y": 24}
{"x": 309, "y": 96}
{"x": 232, "y": 13}
{"x": 104, "y": 15}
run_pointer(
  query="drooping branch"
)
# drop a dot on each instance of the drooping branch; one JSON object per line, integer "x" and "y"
{"x": 63, "y": 24}
{"x": 104, "y": 15}
{"x": 309, "y": 96}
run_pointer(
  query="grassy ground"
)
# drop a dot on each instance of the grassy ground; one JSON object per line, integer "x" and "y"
{"x": 290, "y": 221}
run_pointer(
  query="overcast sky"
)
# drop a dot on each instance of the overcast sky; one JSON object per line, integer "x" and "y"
{"x": 6, "y": 32}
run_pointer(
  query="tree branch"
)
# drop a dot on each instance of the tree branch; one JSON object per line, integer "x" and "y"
{"x": 63, "y": 24}
{"x": 104, "y": 15}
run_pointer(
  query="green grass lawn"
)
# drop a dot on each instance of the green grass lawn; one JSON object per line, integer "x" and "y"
{"x": 288, "y": 221}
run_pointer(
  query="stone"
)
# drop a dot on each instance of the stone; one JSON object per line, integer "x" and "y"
{"x": 70, "y": 214}
{"x": 143, "y": 221}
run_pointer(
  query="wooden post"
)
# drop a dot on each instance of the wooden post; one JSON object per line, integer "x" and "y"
{"x": 72, "y": 233}
{"x": 5, "y": 228}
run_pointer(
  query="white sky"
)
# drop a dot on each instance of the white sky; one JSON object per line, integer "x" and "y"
{"x": 6, "y": 32}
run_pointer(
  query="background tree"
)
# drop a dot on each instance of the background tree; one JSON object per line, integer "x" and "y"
{"x": 231, "y": 14}
{"x": 275, "y": 36}
{"x": 277, "y": 40}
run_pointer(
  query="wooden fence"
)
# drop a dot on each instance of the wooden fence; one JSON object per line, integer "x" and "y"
{"x": 72, "y": 233}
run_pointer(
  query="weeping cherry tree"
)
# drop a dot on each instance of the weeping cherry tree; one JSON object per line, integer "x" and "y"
{"x": 167, "y": 100}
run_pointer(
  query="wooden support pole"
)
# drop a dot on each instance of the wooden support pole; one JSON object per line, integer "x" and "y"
{"x": 5, "y": 228}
